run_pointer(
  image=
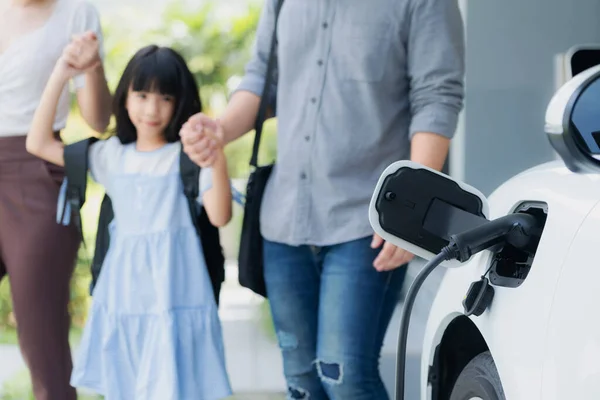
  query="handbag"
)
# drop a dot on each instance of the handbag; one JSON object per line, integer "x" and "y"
{"x": 250, "y": 259}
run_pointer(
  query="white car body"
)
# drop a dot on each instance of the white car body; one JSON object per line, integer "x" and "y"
{"x": 543, "y": 335}
{"x": 538, "y": 337}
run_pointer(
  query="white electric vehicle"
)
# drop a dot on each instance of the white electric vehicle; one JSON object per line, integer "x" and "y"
{"x": 517, "y": 313}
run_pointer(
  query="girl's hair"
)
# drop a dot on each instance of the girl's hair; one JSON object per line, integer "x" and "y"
{"x": 163, "y": 70}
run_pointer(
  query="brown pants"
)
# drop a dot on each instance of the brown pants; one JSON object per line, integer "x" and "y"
{"x": 39, "y": 256}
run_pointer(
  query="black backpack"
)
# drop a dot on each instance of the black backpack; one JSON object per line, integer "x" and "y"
{"x": 76, "y": 172}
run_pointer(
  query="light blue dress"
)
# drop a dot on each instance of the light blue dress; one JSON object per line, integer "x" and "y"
{"x": 153, "y": 331}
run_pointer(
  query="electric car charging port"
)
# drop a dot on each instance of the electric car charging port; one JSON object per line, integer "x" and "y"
{"x": 510, "y": 266}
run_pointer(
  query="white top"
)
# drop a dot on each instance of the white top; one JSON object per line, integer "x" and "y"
{"x": 110, "y": 157}
{"x": 26, "y": 65}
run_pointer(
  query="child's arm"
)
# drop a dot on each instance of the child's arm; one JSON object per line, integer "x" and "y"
{"x": 218, "y": 200}
{"x": 40, "y": 139}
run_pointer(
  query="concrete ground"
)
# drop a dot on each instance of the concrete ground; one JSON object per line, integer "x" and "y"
{"x": 253, "y": 358}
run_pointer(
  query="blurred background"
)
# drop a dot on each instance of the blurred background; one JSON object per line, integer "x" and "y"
{"x": 215, "y": 37}
{"x": 514, "y": 64}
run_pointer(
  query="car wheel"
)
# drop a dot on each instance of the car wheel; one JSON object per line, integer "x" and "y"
{"x": 479, "y": 380}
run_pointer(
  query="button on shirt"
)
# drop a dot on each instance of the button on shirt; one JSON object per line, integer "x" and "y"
{"x": 356, "y": 80}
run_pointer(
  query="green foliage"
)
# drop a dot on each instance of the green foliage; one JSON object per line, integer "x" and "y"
{"x": 216, "y": 49}
{"x": 19, "y": 388}
{"x": 7, "y": 320}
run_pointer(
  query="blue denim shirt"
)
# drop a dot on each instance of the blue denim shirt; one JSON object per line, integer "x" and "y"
{"x": 356, "y": 80}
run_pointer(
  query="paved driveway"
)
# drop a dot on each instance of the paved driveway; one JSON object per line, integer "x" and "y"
{"x": 253, "y": 359}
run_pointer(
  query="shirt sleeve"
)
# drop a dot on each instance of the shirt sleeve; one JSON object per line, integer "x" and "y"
{"x": 86, "y": 18}
{"x": 102, "y": 155}
{"x": 205, "y": 182}
{"x": 256, "y": 69}
{"x": 436, "y": 66}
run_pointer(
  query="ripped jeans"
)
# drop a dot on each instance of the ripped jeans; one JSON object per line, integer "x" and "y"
{"x": 331, "y": 310}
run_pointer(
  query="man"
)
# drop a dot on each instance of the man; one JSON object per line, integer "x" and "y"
{"x": 361, "y": 84}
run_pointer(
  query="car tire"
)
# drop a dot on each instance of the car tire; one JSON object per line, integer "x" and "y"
{"x": 479, "y": 380}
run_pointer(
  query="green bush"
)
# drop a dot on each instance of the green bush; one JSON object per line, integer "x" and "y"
{"x": 216, "y": 50}
{"x": 7, "y": 321}
{"x": 19, "y": 388}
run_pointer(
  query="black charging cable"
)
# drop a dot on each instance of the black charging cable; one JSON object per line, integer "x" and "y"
{"x": 447, "y": 253}
{"x": 515, "y": 229}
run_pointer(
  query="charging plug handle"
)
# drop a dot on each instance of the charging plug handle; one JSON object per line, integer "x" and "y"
{"x": 516, "y": 229}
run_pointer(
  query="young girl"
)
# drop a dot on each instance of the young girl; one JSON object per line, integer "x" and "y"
{"x": 153, "y": 331}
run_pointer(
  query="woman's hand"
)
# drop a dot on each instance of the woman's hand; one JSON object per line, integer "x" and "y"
{"x": 81, "y": 55}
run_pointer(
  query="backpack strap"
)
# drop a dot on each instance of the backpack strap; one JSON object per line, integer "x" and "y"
{"x": 75, "y": 183}
{"x": 190, "y": 177}
{"x": 105, "y": 217}
{"x": 207, "y": 232}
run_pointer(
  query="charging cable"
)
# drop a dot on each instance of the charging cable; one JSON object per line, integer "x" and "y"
{"x": 515, "y": 229}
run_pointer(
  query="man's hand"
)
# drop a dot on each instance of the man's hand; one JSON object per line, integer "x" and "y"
{"x": 390, "y": 257}
{"x": 202, "y": 137}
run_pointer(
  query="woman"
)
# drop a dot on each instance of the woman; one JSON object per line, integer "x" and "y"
{"x": 36, "y": 253}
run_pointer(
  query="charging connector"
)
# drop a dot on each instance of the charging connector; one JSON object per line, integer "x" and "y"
{"x": 516, "y": 229}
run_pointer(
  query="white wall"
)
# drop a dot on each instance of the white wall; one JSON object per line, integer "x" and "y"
{"x": 511, "y": 45}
